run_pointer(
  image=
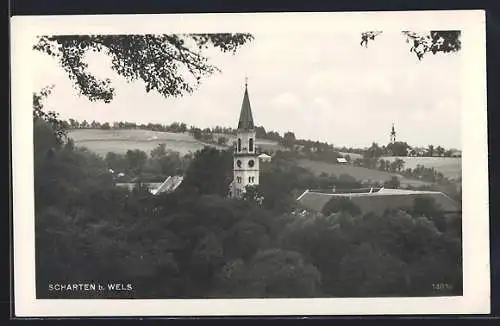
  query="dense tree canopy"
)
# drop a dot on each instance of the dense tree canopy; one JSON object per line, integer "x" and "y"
{"x": 376, "y": 255}
{"x": 170, "y": 64}
{"x": 336, "y": 205}
{"x": 210, "y": 172}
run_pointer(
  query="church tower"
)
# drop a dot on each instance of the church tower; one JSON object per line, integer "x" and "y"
{"x": 246, "y": 162}
{"x": 393, "y": 135}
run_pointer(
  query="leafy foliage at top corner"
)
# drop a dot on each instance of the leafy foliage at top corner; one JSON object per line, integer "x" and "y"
{"x": 160, "y": 61}
{"x": 420, "y": 44}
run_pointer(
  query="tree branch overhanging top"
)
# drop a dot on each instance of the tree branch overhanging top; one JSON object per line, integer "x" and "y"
{"x": 422, "y": 43}
{"x": 171, "y": 64}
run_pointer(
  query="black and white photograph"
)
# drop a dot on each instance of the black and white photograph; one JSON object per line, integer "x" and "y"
{"x": 335, "y": 158}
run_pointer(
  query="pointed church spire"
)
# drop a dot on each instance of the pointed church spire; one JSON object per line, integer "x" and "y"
{"x": 246, "y": 119}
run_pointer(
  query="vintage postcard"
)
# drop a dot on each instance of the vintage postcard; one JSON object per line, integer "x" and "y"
{"x": 250, "y": 164}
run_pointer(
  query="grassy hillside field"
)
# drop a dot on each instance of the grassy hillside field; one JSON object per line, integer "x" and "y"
{"x": 359, "y": 173}
{"x": 119, "y": 141}
{"x": 450, "y": 167}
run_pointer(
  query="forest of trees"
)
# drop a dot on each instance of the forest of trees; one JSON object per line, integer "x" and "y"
{"x": 196, "y": 243}
{"x": 139, "y": 166}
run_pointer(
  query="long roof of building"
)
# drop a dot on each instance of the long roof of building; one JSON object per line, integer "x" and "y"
{"x": 377, "y": 201}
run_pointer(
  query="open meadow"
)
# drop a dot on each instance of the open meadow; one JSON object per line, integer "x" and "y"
{"x": 119, "y": 141}
{"x": 102, "y": 141}
{"x": 450, "y": 167}
{"x": 357, "y": 172}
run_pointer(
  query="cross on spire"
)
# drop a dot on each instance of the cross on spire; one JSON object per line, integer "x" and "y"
{"x": 246, "y": 82}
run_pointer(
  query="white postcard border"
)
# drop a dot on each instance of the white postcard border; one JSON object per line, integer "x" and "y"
{"x": 476, "y": 294}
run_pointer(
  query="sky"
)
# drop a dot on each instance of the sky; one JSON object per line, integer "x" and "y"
{"x": 322, "y": 86}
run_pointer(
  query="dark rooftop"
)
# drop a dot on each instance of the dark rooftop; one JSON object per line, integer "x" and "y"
{"x": 376, "y": 201}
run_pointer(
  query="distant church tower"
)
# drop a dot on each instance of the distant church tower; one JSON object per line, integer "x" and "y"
{"x": 393, "y": 135}
{"x": 246, "y": 162}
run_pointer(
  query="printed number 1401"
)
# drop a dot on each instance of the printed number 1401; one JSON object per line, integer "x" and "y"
{"x": 442, "y": 286}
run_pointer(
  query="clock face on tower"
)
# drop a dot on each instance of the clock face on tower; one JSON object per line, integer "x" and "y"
{"x": 238, "y": 163}
{"x": 251, "y": 163}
